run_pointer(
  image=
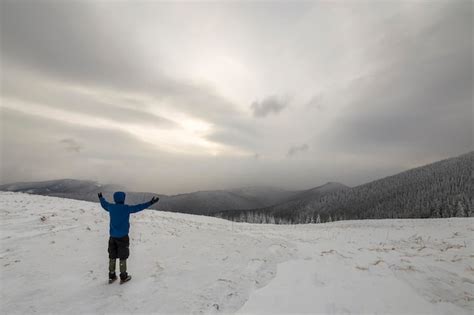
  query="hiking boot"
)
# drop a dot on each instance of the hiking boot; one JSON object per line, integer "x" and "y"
{"x": 112, "y": 277}
{"x": 124, "y": 277}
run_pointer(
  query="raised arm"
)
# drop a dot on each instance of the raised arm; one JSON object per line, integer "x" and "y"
{"x": 103, "y": 202}
{"x": 143, "y": 206}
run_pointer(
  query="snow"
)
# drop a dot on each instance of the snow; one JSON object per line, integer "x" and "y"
{"x": 54, "y": 260}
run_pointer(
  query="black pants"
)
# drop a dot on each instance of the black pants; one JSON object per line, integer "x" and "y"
{"x": 119, "y": 247}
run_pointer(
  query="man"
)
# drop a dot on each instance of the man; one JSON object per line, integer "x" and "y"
{"x": 119, "y": 241}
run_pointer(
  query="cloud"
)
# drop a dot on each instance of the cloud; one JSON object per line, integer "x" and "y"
{"x": 297, "y": 149}
{"x": 267, "y": 106}
{"x": 420, "y": 105}
{"x": 316, "y": 102}
{"x": 70, "y": 41}
{"x": 71, "y": 145}
{"x": 96, "y": 102}
{"x": 390, "y": 85}
{"x": 75, "y": 48}
{"x": 105, "y": 155}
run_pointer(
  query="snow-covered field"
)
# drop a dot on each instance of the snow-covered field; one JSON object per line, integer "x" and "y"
{"x": 54, "y": 260}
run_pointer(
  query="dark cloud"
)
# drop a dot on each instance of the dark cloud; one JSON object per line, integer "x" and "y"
{"x": 421, "y": 104}
{"x": 297, "y": 149}
{"x": 316, "y": 102}
{"x": 268, "y": 105}
{"x": 236, "y": 132}
{"x": 67, "y": 40}
{"x": 71, "y": 145}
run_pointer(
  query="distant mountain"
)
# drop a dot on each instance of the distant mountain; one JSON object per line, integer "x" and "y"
{"x": 201, "y": 202}
{"x": 265, "y": 195}
{"x": 74, "y": 189}
{"x": 317, "y": 192}
{"x": 45, "y": 187}
{"x": 441, "y": 189}
{"x": 290, "y": 202}
{"x": 209, "y": 202}
{"x": 69, "y": 188}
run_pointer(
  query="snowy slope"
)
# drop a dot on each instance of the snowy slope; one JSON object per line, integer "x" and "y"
{"x": 54, "y": 260}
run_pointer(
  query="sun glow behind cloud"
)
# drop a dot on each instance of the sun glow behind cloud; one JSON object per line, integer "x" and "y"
{"x": 187, "y": 135}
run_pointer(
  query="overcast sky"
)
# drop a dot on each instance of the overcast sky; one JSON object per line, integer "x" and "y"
{"x": 177, "y": 97}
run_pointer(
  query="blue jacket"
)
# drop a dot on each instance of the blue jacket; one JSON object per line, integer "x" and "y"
{"x": 120, "y": 213}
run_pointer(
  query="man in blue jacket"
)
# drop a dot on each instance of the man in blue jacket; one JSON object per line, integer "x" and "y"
{"x": 119, "y": 241}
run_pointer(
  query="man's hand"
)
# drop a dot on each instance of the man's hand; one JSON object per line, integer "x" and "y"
{"x": 154, "y": 200}
{"x": 100, "y": 195}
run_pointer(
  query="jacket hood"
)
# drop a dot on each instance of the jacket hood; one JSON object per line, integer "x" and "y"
{"x": 119, "y": 197}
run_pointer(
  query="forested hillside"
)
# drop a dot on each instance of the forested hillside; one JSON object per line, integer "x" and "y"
{"x": 442, "y": 189}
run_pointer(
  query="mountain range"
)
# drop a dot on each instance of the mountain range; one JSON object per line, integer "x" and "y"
{"x": 200, "y": 202}
{"x": 440, "y": 189}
